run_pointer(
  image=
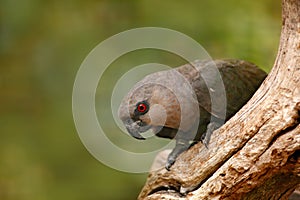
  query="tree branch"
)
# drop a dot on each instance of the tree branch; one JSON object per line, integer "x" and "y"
{"x": 256, "y": 154}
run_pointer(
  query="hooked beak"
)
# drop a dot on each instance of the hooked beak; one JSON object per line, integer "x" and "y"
{"x": 133, "y": 131}
{"x": 134, "y": 128}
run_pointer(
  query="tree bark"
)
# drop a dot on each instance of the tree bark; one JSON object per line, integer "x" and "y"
{"x": 256, "y": 154}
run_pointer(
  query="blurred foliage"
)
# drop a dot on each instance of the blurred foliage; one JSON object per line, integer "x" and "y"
{"x": 42, "y": 44}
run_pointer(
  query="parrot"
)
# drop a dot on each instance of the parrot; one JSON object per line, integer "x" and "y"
{"x": 189, "y": 102}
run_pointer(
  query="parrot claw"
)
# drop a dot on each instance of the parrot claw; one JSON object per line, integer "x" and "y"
{"x": 169, "y": 163}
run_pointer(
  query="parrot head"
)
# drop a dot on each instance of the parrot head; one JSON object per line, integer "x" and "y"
{"x": 155, "y": 104}
{"x": 149, "y": 107}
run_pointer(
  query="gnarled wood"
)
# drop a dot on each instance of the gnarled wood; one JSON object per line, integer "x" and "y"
{"x": 256, "y": 154}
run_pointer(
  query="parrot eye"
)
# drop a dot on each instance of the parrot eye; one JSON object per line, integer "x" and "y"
{"x": 142, "y": 107}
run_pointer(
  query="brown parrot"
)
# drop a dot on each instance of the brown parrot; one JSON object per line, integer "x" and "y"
{"x": 189, "y": 102}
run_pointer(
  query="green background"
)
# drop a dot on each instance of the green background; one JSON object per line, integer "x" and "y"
{"x": 42, "y": 44}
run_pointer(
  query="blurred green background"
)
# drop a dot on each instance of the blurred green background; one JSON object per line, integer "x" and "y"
{"x": 42, "y": 44}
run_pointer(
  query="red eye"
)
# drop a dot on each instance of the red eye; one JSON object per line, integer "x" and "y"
{"x": 142, "y": 107}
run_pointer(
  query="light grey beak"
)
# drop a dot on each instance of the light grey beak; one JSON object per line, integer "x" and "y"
{"x": 133, "y": 129}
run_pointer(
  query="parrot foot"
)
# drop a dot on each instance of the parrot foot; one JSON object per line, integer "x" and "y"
{"x": 211, "y": 127}
{"x": 181, "y": 146}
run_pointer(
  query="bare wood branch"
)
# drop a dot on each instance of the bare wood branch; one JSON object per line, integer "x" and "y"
{"x": 256, "y": 154}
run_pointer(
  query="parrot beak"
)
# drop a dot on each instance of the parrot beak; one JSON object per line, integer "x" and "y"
{"x": 133, "y": 129}
{"x": 135, "y": 134}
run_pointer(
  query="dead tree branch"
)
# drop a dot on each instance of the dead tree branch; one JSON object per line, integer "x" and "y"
{"x": 256, "y": 154}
